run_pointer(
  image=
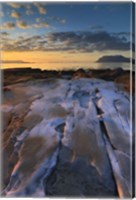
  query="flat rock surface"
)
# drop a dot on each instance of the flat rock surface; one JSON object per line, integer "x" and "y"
{"x": 66, "y": 138}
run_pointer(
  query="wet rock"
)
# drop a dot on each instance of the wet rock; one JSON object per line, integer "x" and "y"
{"x": 78, "y": 178}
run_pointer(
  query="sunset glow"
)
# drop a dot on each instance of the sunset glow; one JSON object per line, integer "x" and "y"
{"x": 41, "y": 35}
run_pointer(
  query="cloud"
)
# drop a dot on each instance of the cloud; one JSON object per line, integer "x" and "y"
{"x": 42, "y": 10}
{"x": 67, "y": 41}
{"x": 41, "y": 25}
{"x": 40, "y": 7}
{"x": 4, "y": 38}
{"x": 14, "y": 5}
{"x": 13, "y": 61}
{"x": 15, "y": 14}
{"x": 28, "y": 9}
{"x": 26, "y": 6}
{"x": 22, "y": 25}
{"x": 90, "y": 41}
{"x": 24, "y": 43}
{"x": 4, "y": 33}
{"x": 38, "y": 19}
{"x": 8, "y": 26}
{"x": 63, "y": 21}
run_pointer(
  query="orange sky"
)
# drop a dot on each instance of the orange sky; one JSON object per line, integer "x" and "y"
{"x": 40, "y": 58}
{"x": 63, "y": 35}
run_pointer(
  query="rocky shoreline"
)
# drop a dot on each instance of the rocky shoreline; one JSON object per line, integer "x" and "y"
{"x": 66, "y": 134}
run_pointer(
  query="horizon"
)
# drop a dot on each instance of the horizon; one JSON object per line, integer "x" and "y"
{"x": 74, "y": 67}
{"x": 57, "y": 35}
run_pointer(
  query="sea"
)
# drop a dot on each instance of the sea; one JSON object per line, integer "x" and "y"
{"x": 69, "y": 66}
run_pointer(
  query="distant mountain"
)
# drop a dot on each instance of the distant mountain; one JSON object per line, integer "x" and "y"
{"x": 116, "y": 58}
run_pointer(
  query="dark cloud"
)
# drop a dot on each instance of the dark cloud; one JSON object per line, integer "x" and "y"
{"x": 8, "y": 26}
{"x": 25, "y": 44}
{"x": 4, "y": 38}
{"x": 90, "y": 41}
{"x": 4, "y": 33}
{"x": 69, "y": 41}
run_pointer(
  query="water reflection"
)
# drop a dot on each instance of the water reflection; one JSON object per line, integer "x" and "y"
{"x": 67, "y": 66}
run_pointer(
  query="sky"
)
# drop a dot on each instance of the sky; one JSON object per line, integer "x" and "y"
{"x": 59, "y": 35}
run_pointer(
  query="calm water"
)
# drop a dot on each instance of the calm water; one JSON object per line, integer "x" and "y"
{"x": 66, "y": 66}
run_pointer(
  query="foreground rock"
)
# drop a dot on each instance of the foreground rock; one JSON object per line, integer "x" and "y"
{"x": 67, "y": 138}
